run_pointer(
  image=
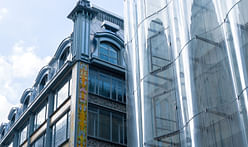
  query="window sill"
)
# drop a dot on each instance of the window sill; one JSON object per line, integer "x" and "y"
{"x": 107, "y": 141}
{"x": 106, "y": 98}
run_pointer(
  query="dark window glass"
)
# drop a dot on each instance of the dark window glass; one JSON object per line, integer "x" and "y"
{"x": 104, "y": 124}
{"x": 114, "y": 89}
{"x": 108, "y": 53}
{"x": 26, "y": 103}
{"x": 125, "y": 130}
{"x": 64, "y": 57}
{"x": 104, "y": 86}
{"x": 92, "y": 121}
{"x": 117, "y": 129}
{"x": 43, "y": 82}
{"x": 124, "y": 92}
{"x": 92, "y": 81}
{"x": 120, "y": 91}
{"x": 107, "y": 86}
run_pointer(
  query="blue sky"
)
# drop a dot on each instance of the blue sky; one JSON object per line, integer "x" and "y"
{"x": 30, "y": 32}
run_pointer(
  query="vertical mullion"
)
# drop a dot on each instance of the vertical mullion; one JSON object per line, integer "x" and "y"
{"x": 123, "y": 129}
{"x": 98, "y": 122}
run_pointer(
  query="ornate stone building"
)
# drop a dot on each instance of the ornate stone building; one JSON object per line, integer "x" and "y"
{"x": 79, "y": 98}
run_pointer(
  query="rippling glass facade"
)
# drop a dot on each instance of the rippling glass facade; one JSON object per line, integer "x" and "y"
{"x": 187, "y": 72}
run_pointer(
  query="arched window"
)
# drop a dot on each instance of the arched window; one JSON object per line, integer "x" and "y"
{"x": 108, "y": 52}
{"x": 64, "y": 57}
{"x": 26, "y": 103}
{"x": 43, "y": 82}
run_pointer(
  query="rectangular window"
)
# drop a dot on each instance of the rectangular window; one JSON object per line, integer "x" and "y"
{"x": 40, "y": 117}
{"x": 61, "y": 130}
{"x": 92, "y": 121}
{"x": 117, "y": 128}
{"x": 23, "y": 134}
{"x": 62, "y": 94}
{"x": 106, "y": 124}
{"x": 107, "y": 86}
{"x": 40, "y": 142}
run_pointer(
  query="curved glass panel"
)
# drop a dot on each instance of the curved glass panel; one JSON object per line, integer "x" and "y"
{"x": 187, "y": 72}
{"x": 108, "y": 53}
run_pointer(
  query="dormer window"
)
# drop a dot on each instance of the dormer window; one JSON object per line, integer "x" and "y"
{"x": 13, "y": 120}
{"x": 26, "y": 103}
{"x": 43, "y": 82}
{"x": 3, "y": 133}
{"x": 108, "y": 52}
{"x": 64, "y": 57}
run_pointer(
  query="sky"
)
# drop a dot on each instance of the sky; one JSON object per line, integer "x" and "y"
{"x": 30, "y": 32}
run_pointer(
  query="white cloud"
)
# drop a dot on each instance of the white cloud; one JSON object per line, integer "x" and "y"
{"x": 3, "y": 12}
{"x": 18, "y": 72}
{"x": 4, "y": 109}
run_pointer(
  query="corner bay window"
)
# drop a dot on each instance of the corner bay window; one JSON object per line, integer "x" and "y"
{"x": 61, "y": 130}
{"x": 107, "y": 86}
{"x": 108, "y": 52}
{"x": 106, "y": 124}
{"x": 62, "y": 94}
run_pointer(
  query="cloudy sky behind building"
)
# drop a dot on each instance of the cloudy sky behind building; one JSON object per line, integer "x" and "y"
{"x": 30, "y": 32}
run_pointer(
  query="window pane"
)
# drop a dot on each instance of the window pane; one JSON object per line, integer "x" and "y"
{"x": 92, "y": 123}
{"x": 104, "y": 86}
{"x": 23, "y": 135}
{"x": 40, "y": 142}
{"x": 62, "y": 94}
{"x": 113, "y": 53}
{"x": 104, "y": 124}
{"x": 114, "y": 89}
{"x": 120, "y": 91}
{"x": 103, "y": 51}
{"x": 124, "y": 92}
{"x": 92, "y": 81}
{"x": 116, "y": 128}
{"x": 40, "y": 117}
{"x": 104, "y": 57}
{"x": 108, "y": 52}
{"x": 60, "y": 131}
{"x": 113, "y": 60}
